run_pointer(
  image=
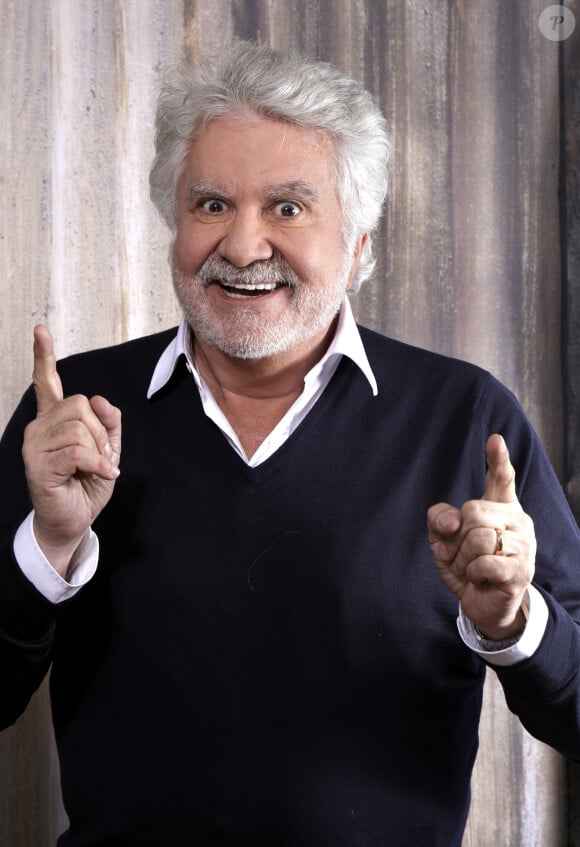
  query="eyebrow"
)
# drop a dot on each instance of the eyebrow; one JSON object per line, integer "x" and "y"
{"x": 201, "y": 188}
{"x": 295, "y": 188}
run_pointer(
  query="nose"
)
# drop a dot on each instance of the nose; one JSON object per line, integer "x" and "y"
{"x": 245, "y": 240}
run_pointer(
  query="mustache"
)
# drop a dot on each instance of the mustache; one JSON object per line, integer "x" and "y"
{"x": 275, "y": 269}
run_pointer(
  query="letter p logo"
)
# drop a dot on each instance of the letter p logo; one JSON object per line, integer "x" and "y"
{"x": 557, "y": 23}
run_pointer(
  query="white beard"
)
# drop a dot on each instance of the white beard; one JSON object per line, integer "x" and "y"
{"x": 246, "y": 332}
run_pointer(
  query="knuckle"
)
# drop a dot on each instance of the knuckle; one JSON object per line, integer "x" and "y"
{"x": 75, "y": 430}
{"x": 468, "y": 508}
{"x": 472, "y": 512}
{"x": 73, "y": 454}
{"x": 77, "y": 404}
{"x": 476, "y": 542}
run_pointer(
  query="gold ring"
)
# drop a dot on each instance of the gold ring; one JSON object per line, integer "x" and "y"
{"x": 498, "y": 542}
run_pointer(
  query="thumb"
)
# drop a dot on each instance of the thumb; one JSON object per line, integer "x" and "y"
{"x": 500, "y": 484}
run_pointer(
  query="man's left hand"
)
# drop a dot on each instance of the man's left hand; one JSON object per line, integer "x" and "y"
{"x": 485, "y": 551}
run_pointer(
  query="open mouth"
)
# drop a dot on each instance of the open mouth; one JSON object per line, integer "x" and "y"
{"x": 243, "y": 290}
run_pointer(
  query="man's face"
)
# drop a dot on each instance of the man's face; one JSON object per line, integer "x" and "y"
{"x": 260, "y": 264}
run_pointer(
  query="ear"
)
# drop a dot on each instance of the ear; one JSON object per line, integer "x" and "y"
{"x": 357, "y": 253}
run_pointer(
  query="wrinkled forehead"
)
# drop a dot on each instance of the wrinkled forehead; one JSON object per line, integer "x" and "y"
{"x": 284, "y": 134}
{"x": 267, "y": 150}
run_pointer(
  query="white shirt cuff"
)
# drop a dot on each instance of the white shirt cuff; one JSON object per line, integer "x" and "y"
{"x": 38, "y": 570}
{"x": 524, "y": 648}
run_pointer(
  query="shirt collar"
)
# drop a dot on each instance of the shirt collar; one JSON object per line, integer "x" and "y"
{"x": 346, "y": 342}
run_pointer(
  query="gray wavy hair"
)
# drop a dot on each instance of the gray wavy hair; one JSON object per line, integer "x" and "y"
{"x": 249, "y": 79}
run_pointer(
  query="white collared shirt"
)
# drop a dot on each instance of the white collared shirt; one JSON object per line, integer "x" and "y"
{"x": 346, "y": 342}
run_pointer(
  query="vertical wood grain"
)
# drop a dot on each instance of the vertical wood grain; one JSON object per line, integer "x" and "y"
{"x": 570, "y": 208}
{"x": 469, "y": 252}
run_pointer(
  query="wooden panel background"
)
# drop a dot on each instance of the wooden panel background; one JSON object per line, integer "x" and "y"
{"x": 470, "y": 253}
{"x": 570, "y": 237}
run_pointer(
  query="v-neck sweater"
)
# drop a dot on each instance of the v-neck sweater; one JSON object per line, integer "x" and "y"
{"x": 267, "y": 655}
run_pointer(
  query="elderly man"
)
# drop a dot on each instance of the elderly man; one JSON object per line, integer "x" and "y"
{"x": 252, "y": 642}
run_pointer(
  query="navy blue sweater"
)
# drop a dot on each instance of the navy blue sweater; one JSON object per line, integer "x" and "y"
{"x": 267, "y": 656}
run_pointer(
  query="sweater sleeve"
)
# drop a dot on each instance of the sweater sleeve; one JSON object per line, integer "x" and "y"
{"x": 544, "y": 690}
{"x": 26, "y": 617}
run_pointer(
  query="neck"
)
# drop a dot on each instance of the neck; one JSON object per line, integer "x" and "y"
{"x": 261, "y": 379}
{"x": 255, "y": 394}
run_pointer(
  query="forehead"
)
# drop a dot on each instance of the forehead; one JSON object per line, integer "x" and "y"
{"x": 261, "y": 151}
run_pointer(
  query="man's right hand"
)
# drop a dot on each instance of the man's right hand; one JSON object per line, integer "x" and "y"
{"x": 71, "y": 453}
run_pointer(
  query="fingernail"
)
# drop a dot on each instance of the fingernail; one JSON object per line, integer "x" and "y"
{"x": 108, "y": 450}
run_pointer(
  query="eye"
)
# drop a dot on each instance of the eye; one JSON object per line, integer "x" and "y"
{"x": 287, "y": 209}
{"x": 213, "y": 206}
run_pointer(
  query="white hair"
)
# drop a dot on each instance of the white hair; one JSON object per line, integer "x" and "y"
{"x": 249, "y": 80}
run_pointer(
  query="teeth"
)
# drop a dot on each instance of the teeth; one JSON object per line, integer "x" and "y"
{"x": 237, "y": 296}
{"x": 238, "y": 289}
{"x": 260, "y": 286}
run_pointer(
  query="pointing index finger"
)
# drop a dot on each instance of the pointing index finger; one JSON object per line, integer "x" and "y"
{"x": 500, "y": 483}
{"x": 45, "y": 378}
